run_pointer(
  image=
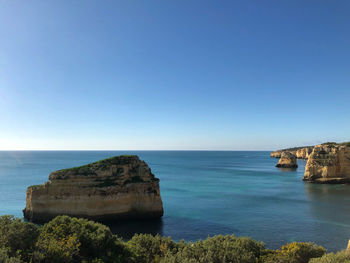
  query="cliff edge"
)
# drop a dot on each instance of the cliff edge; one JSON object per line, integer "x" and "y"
{"x": 121, "y": 187}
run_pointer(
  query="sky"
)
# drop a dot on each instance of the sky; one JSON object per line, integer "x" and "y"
{"x": 173, "y": 75}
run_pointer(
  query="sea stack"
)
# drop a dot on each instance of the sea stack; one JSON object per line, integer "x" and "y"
{"x": 121, "y": 187}
{"x": 328, "y": 163}
{"x": 287, "y": 160}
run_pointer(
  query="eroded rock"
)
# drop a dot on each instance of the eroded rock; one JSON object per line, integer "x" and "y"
{"x": 299, "y": 152}
{"x": 287, "y": 160}
{"x": 328, "y": 163}
{"x": 120, "y": 187}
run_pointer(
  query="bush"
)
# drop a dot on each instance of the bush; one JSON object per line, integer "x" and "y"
{"x": 340, "y": 257}
{"x": 150, "y": 249}
{"x": 218, "y": 249}
{"x": 296, "y": 252}
{"x": 18, "y": 238}
{"x": 72, "y": 240}
{"x": 4, "y": 257}
{"x": 66, "y": 239}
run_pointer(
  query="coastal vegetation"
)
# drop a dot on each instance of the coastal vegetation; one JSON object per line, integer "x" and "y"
{"x": 102, "y": 164}
{"x": 72, "y": 240}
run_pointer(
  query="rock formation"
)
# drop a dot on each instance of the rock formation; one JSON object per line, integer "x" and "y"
{"x": 120, "y": 187}
{"x": 304, "y": 152}
{"x": 276, "y": 154}
{"x": 287, "y": 160}
{"x": 328, "y": 163}
{"x": 299, "y": 152}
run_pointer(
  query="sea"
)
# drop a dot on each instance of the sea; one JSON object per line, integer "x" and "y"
{"x": 207, "y": 193}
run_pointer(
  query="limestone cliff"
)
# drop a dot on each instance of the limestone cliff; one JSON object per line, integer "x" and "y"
{"x": 328, "y": 163}
{"x": 120, "y": 187}
{"x": 304, "y": 152}
{"x": 287, "y": 160}
{"x": 298, "y": 152}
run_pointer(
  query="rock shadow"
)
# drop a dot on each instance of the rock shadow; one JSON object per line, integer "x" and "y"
{"x": 127, "y": 229}
{"x": 287, "y": 169}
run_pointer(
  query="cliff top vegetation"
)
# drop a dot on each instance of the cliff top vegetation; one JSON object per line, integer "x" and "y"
{"x": 73, "y": 240}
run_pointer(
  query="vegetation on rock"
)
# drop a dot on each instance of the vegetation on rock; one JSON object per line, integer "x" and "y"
{"x": 101, "y": 164}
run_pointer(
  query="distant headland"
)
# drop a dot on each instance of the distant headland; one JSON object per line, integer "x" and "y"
{"x": 326, "y": 163}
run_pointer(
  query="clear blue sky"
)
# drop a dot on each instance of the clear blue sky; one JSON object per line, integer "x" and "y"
{"x": 230, "y": 75}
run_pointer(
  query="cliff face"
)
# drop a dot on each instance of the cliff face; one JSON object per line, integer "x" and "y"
{"x": 116, "y": 188}
{"x": 298, "y": 152}
{"x": 287, "y": 160}
{"x": 328, "y": 163}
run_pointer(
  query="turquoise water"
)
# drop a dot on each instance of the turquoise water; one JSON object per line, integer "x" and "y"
{"x": 207, "y": 193}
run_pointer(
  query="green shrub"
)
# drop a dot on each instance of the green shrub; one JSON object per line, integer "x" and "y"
{"x": 218, "y": 249}
{"x": 150, "y": 249}
{"x": 57, "y": 249}
{"x": 66, "y": 239}
{"x": 5, "y": 258}
{"x": 72, "y": 240}
{"x": 296, "y": 252}
{"x": 17, "y": 237}
{"x": 340, "y": 257}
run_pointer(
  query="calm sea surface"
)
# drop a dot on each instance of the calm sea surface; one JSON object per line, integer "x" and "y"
{"x": 207, "y": 193}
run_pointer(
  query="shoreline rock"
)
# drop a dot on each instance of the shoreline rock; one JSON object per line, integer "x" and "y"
{"x": 287, "y": 160}
{"x": 117, "y": 188}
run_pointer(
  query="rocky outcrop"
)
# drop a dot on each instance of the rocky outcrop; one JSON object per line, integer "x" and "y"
{"x": 287, "y": 160}
{"x": 328, "y": 163}
{"x": 304, "y": 152}
{"x": 120, "y": 187}
{"x": 298, "y": 152}
{"x": 276, "y": 154}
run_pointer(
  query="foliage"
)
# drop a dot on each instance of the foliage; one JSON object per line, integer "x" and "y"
{"x": 72, "y": 240}
{"x": 218, "y": 249}
{"x": 296, "y": 252}
{"x": 329, "y": 143}
{"x": 66, "y": 239}
{"x": 148, "y": 248}
{"x": 339, "y": 257}
{"x": 295, "y": 148}
{"x": 4, "y": 257}
{"x": 17, "y": 237}
{"x": 101, "y": 164}
{"x": 57, "y": 249}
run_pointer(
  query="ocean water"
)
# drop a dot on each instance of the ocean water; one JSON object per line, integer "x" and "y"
{"x": 207, "y": 193}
